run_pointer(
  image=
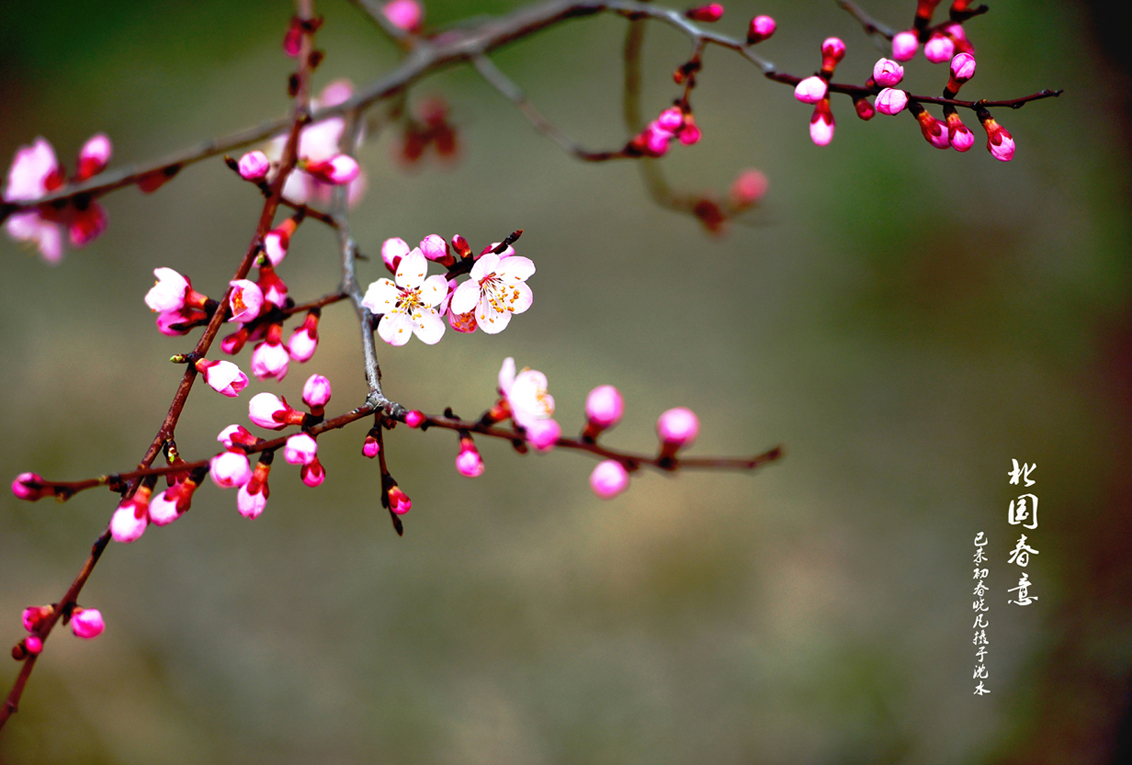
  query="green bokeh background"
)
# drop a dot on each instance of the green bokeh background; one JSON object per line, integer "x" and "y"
{"x": 904, "y": 320}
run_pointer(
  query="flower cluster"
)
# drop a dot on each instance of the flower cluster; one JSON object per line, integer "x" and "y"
{"x": 414, "y": 303}
{"x": 35, "y": 172}
{"x": 674, "y": 123}
{"x": 86, "y": 623}
{"x": 135, "y": 513}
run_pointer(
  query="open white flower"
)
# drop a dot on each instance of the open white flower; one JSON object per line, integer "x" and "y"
{"x": 409, "y": 306}
{"x": 526, "y": 393}
{"x": 496, "y": 290}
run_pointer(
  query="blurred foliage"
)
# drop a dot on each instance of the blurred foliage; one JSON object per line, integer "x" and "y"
{"x": 904, "y": 320}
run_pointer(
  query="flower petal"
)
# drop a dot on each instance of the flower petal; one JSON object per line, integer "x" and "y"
{"x": 506, "y": 375}
{"x": 490, "y": 320}
{"x": 517, "y": 297}
{"x": 381, "y": 296}
{"x": 434, "y": 291}
{"x": 428, "y": 326}
{"x": 484, "y": 266}
{"x": 411, "y": 273}
{"x": 466, "y": 297}
{"x": 395, "y": 328}
{"x": 515, "y": 269}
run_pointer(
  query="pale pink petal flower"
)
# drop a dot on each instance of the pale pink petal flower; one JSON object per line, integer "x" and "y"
{"x": 543, "y": 434}
{"x": 316, "y": 392}
{"x": 34, "y": 172}
{"x": 609, "y": 478}
{"x": 891, "y": 101}
{"x": 230, "y": 469}
{"x": 526, "y": 393}
{"x": 223, "y": 376}
{"x": 268, "y": 411}
{"x": 269, "y": 361}
{"x": 44, "y": 234}
{"x": 409, "y": 306}
{"x": 169, "y": 291}
{"x": 811, "y": 90}
{"x": 887, "y": 73}
{"x": 87, "y": 623}
{"x": 300, "y": 449}
{"x": 496, "y": 290}
{"x": 250, "y": 505}
{"x": 245, "y": 300}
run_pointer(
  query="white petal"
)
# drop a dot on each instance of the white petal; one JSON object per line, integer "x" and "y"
{"x": 428, "y": 326}
{"x": 490, "y": 320}
{"x": 517, "y": 297}
{"x": 381, "y": 296}
{"x": 484, "y": 266}
{"x": 411, "y": 272}
{"x": 434, "y": 291}
{"x": 298, "y": 188}
{"x": 466, "y": 296}
{"x": 506, "y": 375}
{"x": 395, "y": 328}
{"x": 515, "y": 269}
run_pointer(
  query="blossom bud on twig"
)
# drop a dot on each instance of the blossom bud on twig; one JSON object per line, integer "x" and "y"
{"x": 252, "y": 497}
{"x": 399, "y": 501}
{"x": 300, "y": 449}
{"x": 999, "y": 141}
{"x": 891, "y": 101}
{"x": 760, "y": 28}
{"x": 371, "y": 446}
{"x": 822, "y": 124}
{"x": 904, "y": 45}
{"x": 811, "y": 90}
{"x": 468, "y": 461}
{"x": 864, "y": 109}
{"x": 304, "y": 340}
{"x": 705, "y": 13}
{"x": 30, "y": 486}
{"x": 245, "y": 300}
{"x": 338, "y": 170}
{"x": 230, "y": 469}
{"x": 748, "y": 187}
{"x": 677, "y": 428}
{"x": 316, "y": 393}
{"x": 222, "y": 376}
{"x": 887, "y": 73}
{"x": 392, "y": 251}
{"x": 313, "y": 474}
{"x": 253, "y": 166}
{"x": 935, "y": 132}
{"x": 132, "y": 516}
{"x": 962, "y": 70}
{"x": 269, "y": 411}
{"x": 434, "y": 248}
{"x": 832, "y": 52}
{"x": 406, "y": 15}
{"x": 33, "y": 616}
{"x": 939, "y": 48}
{"x": 278, "y": 240}
{"x": 94, "y": 156}
{"x": 960, "y": 136}
{"x": 604, "y": 407}
{"x": 87, "y": 623}
{"x": 609, "y": 478}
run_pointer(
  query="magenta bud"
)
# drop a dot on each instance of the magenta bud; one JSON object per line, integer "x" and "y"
{"x": 811, "y": 90}
{"x": 671, "y": 119}
{"x": 543, "y": 434}
{"x": 300, "y": 449}
{"x": 94, "y": 156}
{"x": 609, "y": 478}
{"x": 434, "y": 248}
{"x": 313, "y": 474}
{"x": 392, "y": 250}
{"x": 468, "y": 461}
{"x": 748, "y": 187}
{"x": 29, "y": 486}
{"x": 33, "y": 644}
{"x": 864, "y": 109}
{"x": 371, "y": 447}
{"x": 904, "y": 45}
{"x": 316, "y": 392}
{"x": 678, "y": 426}
{"x": 822, "y": 124}
{"x": 604, "y": 406}
{"x": 891, "y": 101}
{"x": 887, "y": 73}
{"x": 939, "y": 48}
{"x": 87, "y": 623}
{"x": 399, "y": 501}
{"x": 705, "y": 13}
{"x": 253, "y": 166}
{"x": 760, "y": 28}
{"x": 414, "y": 418}
{"x": 406, "y": 15}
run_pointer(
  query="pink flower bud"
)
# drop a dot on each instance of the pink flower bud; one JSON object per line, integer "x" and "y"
{"x": 253, "y": 166}
{"x": 609, "y": 479}
{"x": 278, "y": 240}
{"x": 963, "y": 67}
{"x": 999, "y": 141}
{"x": 604, "y": 406}
{"x": 300, "y": 449}
{"x": 251, "y": 499}
{"x": 316, "y": 393}
{"x": 222, "y": 376}
{"x": 760, "y": 28}
{"x": 543, "y": 434}
{"x": 468, "y": 461}
{"x": 671, "y": 119}
{"x": 245, "y": 300}
{"x": 274, "y": 290}
{"x": 234, "y": 343}
{"x": 904, "y": 45}
{"x": 811, "y": 90}
{"x": 689, "y": 134}
{"x": 960, "y": 136}
{"x": 371, "y": 446}
{"x": 822, "y": 124}
{"x": 891, "y": 101}
{"x": 435, "y": 249}
{"x": 131, "y": 517}
{"x": 269, "y": 361}
{"x": 94, "y": 156}
{"x": 414, "y": 418}
{"x": 748, "y": 187}
{"x": 832, "y": 52}
{"x": 338, "y": 170}
{"x": 864, "y": 109}
{"x": 656, "y": 140}
{"x": 293, "y": 40}
{"x": 29, "y": 486}
{"x": 404, "y": 14}
{"x": 304, "y": 340}
{"x": 235, "y": 435}
{"x": 935, "y": 132}
{"x": 392, "y": 250}
{"x": 399, "y": 501}
{"x": 887, "y": 73}
{"x": 678, "y": 426}
{"x": 939, "y": 48}
{"x": 313, "y": 474}
{"x": 87, "y": 623}
{"x": 33, "y": 616}
{"x": 33, "y": 644}
{"x": 163, "y": 509}
{"x": 705, "y": 13}
{"x": 169, "y": 291}
{"x": 230, "y": 469}
{"x": 180, "y": 322}
{"x": 268, "y": 411}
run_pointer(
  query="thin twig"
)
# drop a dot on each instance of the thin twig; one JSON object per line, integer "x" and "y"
{"x": 872, "y": 27}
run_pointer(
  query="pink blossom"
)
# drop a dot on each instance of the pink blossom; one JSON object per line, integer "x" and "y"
{"x": 338, "y": 170}
{"x": 33, "y": 644}
{"x": 163, "y": 509}
{"x": 935, "y": 132}
{"x": 316, "y": 393}
{"x": 678, "y": 426}
{"x": 313, "y": 474}
{"x": 526, "y": 393}
{"x": 304, "y": 340}
{"x": 811, "y": 90}
{"x": 222, "y": 376}
{"x": 671, "y": 119}
{"x": 245, "y": 300}
{"x": 253, "y": 166}
{"x": 434, "y": 248}
{"x": 656, "y": 139}
{"x": 371, "y": 446}
{"x": 29, "y": 486}
{"x": 891, "y": 101}
{"x": 131, "y": 517}
{"x": 94, "y": 156}
{"x": 963, "y": 67}
{"x": 904, "y": 45}
{"x": 468, "y": 461}
{"x": 230, "y": 469}
{"x": 399, "y": 501}
{"x": 822, "y": 124}
{"x": 690, "y": 133}
{"x": 273, "y": 288}
{"x": 87, "y": 623}
{"x": 34, "y": 172}
{"x": 414, "y": 419}
{"x": 293, "y": 39}
{"x": 760, "y": 28}
{"x": 392, "y": 251}
{"x": 960, "y": 136}
{"x": 33, "y": 616}
{"x": 234, "y": 343}
{"x": 604, "y": 406}
{"x": 235, "y": 435}
{"x": 251, "y": 499}
{"x": 278, "y": 240}
{"x": 300, "y": 449}
{"x": 832, "y": 52}
{"x": 543, "y": 434}
{"x": 705, "y": 13}
{"x": 887, "y": 73}
{"x": 404, "y": 14}
{"x": 270, "y": 360}
{"x": 180, "y": 322}
{"x": 748, "y": 187}
{"x": 170, "y": 292}
{"x": 268, "y": 411}
{"x": 496, "y": 290}
{"x": 939, "y": 48}
{"x": 609, "y": 478}
{"x": 409, "y": 306}
{"x": 999, "y": 141}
